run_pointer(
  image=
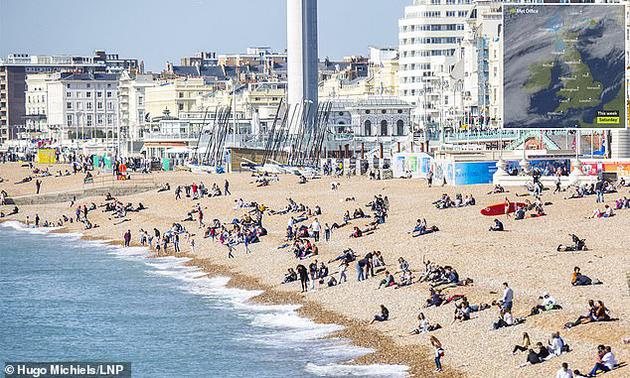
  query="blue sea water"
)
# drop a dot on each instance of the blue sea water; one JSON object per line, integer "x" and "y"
{"x": 65, "y": 299}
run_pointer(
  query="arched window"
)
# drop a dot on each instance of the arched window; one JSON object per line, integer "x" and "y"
{"x": 400, "y": 127}
{"x": 368, "y": 128}
{"x": 384, "y": 128}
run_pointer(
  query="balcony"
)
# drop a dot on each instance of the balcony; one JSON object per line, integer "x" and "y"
{"x": 159, "y": 137}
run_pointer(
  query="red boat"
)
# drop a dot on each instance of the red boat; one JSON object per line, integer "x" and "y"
{"x": 500, "y": 209}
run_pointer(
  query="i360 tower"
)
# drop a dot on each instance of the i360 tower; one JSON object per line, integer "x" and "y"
{"x": 302, "y": 55}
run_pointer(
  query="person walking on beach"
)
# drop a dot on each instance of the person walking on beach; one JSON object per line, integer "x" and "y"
{"x": 226, "y": 188}
{"x": 38, "y": 185}
{"x": 327, "y": 232}
{"x": 508, "y": 297}
{"x": 178, "y": 192}
{"x": 176, "y": 243}
{"x": 313, "y": 272}
{"x": 200, "y": 217}
{"x": 36, "y": 220}
{"x": 342, "y": 272}
{"x": 430, "y": 179}
{"x": 439, "y": 353}
{"x": 127, "y": 238}
{"x": 316, "y": 227}
{"x": 301, "y": 271}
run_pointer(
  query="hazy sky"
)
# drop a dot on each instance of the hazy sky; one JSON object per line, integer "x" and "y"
{"x": 165, "y": 30}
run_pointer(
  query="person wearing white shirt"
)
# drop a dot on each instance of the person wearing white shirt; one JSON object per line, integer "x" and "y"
{"x": 609, "y": 359}
{"x": 564, "y": 371}
{"x": 556, "y": 344}
{"x": 316, "y": 228}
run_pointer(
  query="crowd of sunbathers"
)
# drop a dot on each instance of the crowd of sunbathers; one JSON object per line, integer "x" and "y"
{"x": 445, "y": 202}
{"x": 246, "y": 230}
{"x": 197, "y": 191}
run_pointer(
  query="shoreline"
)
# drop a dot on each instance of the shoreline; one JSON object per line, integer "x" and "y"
{"x": 384, "y": 349}
{"x": 525, "y": 256}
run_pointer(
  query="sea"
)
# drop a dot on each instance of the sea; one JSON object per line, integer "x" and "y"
{"x": 63, "y": 298}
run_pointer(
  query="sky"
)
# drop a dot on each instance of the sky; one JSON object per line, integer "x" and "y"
{"x": 158, "y": 31}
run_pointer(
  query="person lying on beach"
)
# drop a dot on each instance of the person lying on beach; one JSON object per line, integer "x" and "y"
{"x": 425, "y": 231}
{"x": 24, "y": 180}
{"x": 383, "y": 316}
{"x": 579, "y": 279}
{"x": 424, "y": 326}
{"x": 14, "y": 211}
{"x": 548, "y": 303}
{"x": 498, "y": 226}
{"x": 347, "y": 255}
{"x": 497, "y": 189}
{"x": 578, "y": 245}
{"x": 421, "y": 225}
{"x": 367, "y": 230}
{"x": 164, "y": 188}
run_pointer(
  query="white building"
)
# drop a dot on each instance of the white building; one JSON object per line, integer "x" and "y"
{"x": 36, "y": 104}
{"x": 430, "y": 34}
{"x": 85, "y": 105}
{"x": 131, "y": 104}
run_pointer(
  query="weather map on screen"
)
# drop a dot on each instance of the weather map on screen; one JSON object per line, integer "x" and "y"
{"x": 564, "y": 66}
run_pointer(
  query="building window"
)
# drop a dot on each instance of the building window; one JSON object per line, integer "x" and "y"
{"x": 68, "y": 86}
{"x": 88, "y": 94}
{"x": 68, "y": 94}
{"x": 367, "y": 111}
{"x": 99, "y": 94}
{"x": 88, "y": 86}
{"x": 384, "y": 111}
{"x": 68, "y": 105}
{"x": 110, "y": 105}
{"x": 383, "y": 128}
{"x": 99, "y": 105}
{"x": 181, "y": 94}
{"x": 140, "y": 100}
{"x": 88, "y": 106}
{"x": 69, "y": 119}
{"x": 368, "y": 128}
{"x": 109, "y": 94}
{"x": 180, "y": 106}
{"x": 99, "y": 119}
{"x": 400, "y": 111}
{"x": 400, "y": 127}
{"x": 89, "y": 120}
